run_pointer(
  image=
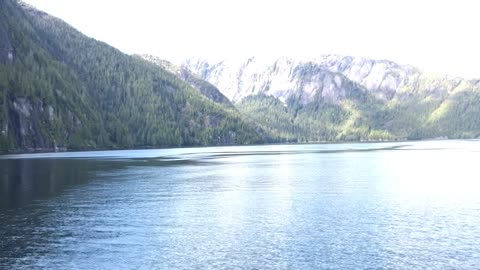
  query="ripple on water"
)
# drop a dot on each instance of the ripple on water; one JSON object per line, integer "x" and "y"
{"x": 394, "y": 205}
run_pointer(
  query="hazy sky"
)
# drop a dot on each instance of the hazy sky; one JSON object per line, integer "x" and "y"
{"x": 438, "y": 36}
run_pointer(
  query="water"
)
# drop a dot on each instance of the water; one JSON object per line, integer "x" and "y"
{"x": 389, "y": 205}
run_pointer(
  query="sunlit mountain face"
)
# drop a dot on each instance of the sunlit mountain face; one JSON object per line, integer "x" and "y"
{"x": 346, "y": 98}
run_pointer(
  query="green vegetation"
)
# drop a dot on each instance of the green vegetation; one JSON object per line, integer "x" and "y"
{"x": 61, "y": 89}
{"x": 363, "y": 118}
{"x": 67, "y": 90}
{"x": 354, "y": 119}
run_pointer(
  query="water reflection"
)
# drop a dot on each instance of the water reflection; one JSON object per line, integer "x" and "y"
{"x": 23, "y": 180}
{"x": 262, "y": 207}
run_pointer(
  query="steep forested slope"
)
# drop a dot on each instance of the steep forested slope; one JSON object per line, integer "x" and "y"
{"x": 60, "y": 88}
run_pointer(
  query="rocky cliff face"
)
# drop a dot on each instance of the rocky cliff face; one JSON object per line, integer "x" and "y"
{"x": 346, "y": 98}
{"x": 327, "y": 75}
{"x": 28, "y": 122}
{"x": 384, "y": 78}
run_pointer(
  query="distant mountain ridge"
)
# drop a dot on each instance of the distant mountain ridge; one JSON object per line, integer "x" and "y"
{"x": 386, "y": 79}
{"x": 373, "y": 97}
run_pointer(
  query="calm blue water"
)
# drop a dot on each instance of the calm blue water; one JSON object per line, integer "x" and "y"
{"x": 389, "y": 205}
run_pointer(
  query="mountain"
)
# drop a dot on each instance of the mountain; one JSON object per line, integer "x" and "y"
{"x": 61, "y": 89}
{"x": 338, "y": 98}
{"x": 205, "y": 88}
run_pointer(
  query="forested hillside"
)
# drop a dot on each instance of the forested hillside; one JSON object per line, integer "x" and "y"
{"x": 61, "y": 89}
{"x": 336, "y": 98}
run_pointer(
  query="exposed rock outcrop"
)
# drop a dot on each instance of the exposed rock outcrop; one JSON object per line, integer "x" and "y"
{"x": 327, "y": 75}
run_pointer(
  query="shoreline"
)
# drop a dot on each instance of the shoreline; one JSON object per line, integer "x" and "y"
{"x": 65, "y": 150}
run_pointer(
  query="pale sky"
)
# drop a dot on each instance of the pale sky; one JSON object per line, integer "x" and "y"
{"x": 437, "y": 36}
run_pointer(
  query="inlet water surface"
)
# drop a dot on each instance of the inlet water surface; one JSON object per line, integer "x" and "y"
{"x": 385, "y": 205}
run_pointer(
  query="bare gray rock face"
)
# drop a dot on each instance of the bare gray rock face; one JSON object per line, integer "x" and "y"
{"x": 329, "y": 76}
{"x": 282, "y": 78}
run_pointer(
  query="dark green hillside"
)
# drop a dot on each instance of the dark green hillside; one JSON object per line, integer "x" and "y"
{"x": 61, "y": 88}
